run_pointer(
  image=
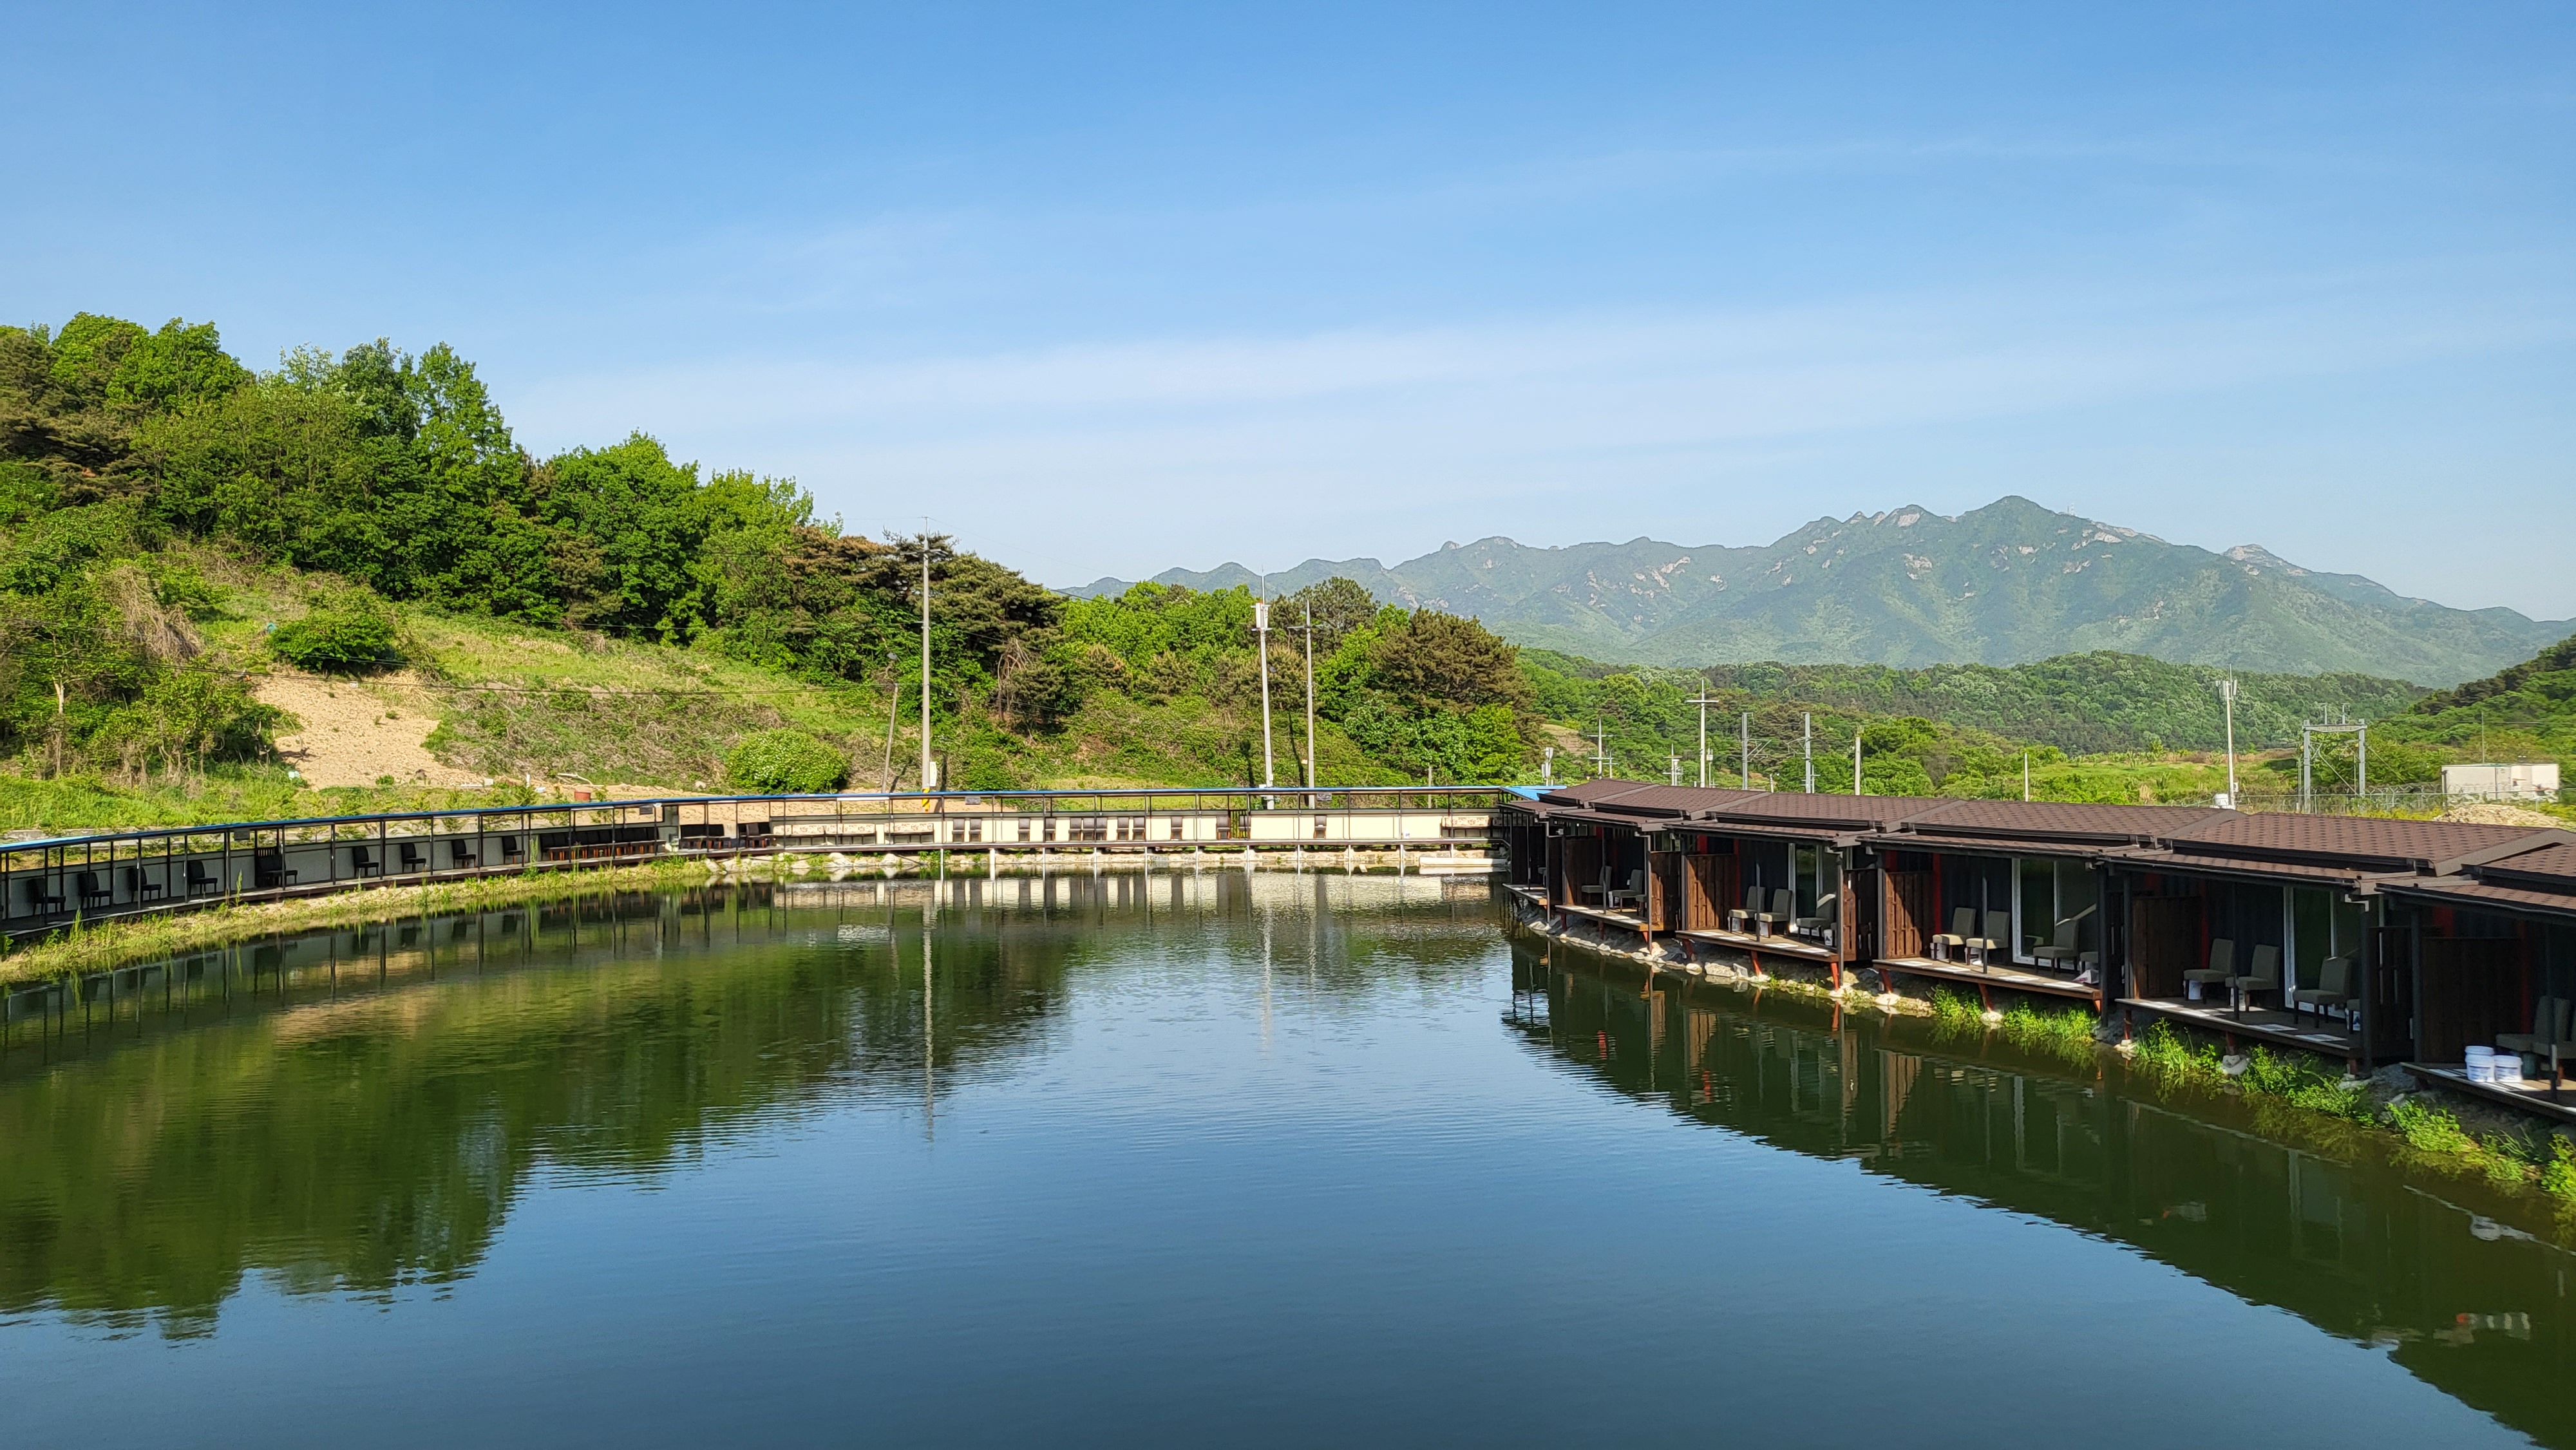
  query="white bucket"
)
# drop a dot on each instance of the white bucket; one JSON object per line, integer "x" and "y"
{"x": 2481, "y": 1064}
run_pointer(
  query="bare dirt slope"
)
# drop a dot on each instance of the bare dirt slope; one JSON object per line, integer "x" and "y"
{"x": 356, "y": 734}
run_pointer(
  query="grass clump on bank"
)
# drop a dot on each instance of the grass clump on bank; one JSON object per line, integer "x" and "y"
{"x": 127, "y": 941}
{"x": 2065, "y": 1033}
{"x": 2412, "y": 1131}
{"x": 78, "y": 804}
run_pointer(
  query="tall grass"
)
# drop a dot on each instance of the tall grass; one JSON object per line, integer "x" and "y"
{"x": 82, "y": 949}
{"x": 2425, "y": 1136}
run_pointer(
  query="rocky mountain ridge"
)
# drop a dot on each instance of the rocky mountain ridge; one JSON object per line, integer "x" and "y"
{"x": 2004, "y": 584}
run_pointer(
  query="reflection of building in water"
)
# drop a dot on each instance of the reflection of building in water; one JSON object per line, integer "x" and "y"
{"x": 2475, "y": 1307}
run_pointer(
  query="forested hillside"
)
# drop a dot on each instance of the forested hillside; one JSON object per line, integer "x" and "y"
{"x": 182, "y": 537}
{"x": 2009, "y": 583}
{"x": 174, "y": 526}
{"x": 2082, "y": 704}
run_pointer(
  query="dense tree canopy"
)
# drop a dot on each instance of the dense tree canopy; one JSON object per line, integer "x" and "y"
{"x": 130, "y": 456}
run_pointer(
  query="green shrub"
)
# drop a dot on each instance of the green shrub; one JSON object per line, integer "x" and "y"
{"x": 352, "y": 637}
{"x": 786, "y": 762}
{"x": 2066, "y": 1033}
{"x": 1956, "y": 1012}
{"x": 2558, "y": 1175}
{"x": 2430, "y": 1130}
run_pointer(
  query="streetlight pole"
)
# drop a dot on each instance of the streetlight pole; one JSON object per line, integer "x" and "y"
{"x": 926, "y": 782}
{"x": 2227, "y": 696}
{"x": 1807, "y": 728}
{"x": 1261, "y": 639}
{"x": 1703, "y": 702}
{"x": 1311, "y": 779}
{"x": 1744, "y": 728}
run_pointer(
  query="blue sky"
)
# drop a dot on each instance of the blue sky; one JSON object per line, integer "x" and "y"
{"x": 1106, "y": 289}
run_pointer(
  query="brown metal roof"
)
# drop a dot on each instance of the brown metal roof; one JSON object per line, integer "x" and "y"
{"x": 2060, "y": 823}
{"x": 2487, "y": 895}
{"x": 2551, "y": 867}
{"x": 1825, "y": 813}
{"x": 1606, "y": 788}
{"x": 1674, "y": 800}
{"x": 2354, "y": 838}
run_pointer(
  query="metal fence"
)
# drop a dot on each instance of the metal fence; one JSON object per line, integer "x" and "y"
{"x": 2402, "y": 800}
{"x": 45, "y": 884}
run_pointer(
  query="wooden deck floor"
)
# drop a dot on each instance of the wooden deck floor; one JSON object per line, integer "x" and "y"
{"x": 2530, "y": 1095}
{"x": 1786, "y": 946}
{"x": 2306, "y": 1031}
{"x": 1995, "y": 974}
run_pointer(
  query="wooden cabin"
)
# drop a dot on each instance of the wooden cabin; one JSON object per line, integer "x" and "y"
{"x": 2370, "y": 939}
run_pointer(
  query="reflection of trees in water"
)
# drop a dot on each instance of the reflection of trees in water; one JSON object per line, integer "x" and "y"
{"x": 2356, "y": 1249}
{"x": 356, "y": 1110}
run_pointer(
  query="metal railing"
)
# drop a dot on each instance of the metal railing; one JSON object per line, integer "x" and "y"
{"x": 46, "y": 884}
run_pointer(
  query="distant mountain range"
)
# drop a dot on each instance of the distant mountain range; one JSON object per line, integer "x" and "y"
{"x": 2004, "y": 584}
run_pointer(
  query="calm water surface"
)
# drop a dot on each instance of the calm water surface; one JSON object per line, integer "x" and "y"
{"x": 1275, "y": 1160}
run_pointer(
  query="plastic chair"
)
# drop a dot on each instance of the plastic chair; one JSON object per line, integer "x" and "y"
{"x": 2333, "y": 988}
{"x": 2221, "y": 968}
{"x": 2060, "y": 949}
{"x": 2265, "y": 975}
{"x": 1740, "y": 919}
{"x": 1784, "y": 909}
{"x": 2550, "y": 1027}
{"x": 1818, "y": 927}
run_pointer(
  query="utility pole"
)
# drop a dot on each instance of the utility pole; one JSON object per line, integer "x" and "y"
{"x": 1703, "y": 702}
{"x": 2307, "y": 782}
{"x": 1261, "y": 640}
{"x": 2025, "y": 775}
{"x": 927, "y": 783}
{"x": 1600, "y": 747}
{"x": 2227, "y": 696}
{"x": 1856, "y": 790}
{"x": 1744, "y": 728}
{"x": 1311, "y": 780}
{"x": 894, "y": 710}
{"x": 2308, "y": 732}
{"x": 1547, "y": 767}
{"x": 1677, "y": 767}
{"x": 1807, "y": 728}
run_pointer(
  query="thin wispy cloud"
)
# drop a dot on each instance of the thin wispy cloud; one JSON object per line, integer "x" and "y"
{"x": 1377, "y": 424}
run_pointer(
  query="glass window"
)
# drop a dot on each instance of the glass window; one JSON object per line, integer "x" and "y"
{"x": 2311, "y": 934}
{"x": 2079, "y": 899}
{"x": 2036, "y": 923}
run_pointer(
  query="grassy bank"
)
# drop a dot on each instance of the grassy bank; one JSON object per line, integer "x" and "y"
{"x": 129, "y": 941}
{"x": 2292, "y": 1097}
{"x": 70, "y": 804}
